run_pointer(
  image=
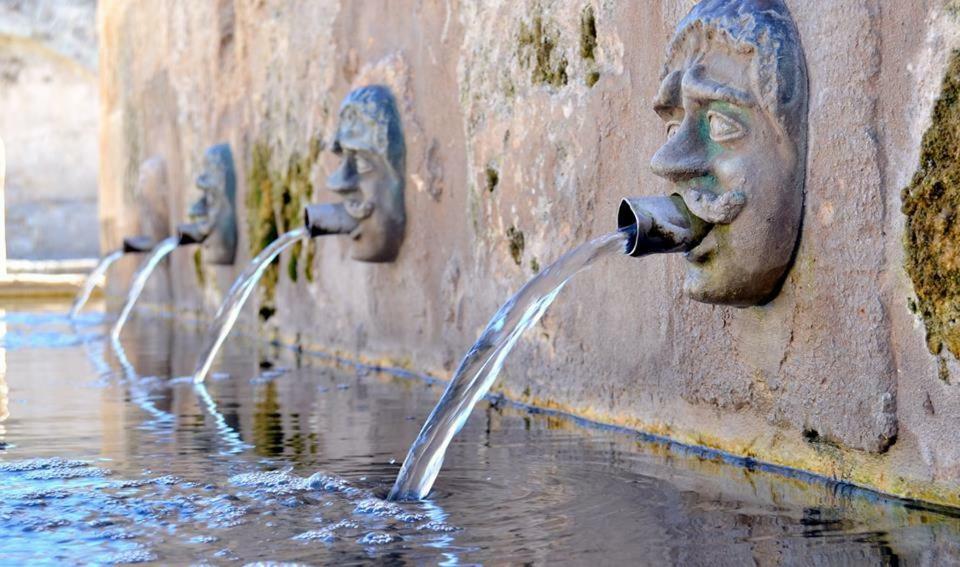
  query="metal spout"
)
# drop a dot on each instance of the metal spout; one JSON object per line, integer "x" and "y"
{"x": 659, "y": 225}
{"x": 138, "y": 244}
{"x": 330, "y": 218}
{"x": 192, "y": 233}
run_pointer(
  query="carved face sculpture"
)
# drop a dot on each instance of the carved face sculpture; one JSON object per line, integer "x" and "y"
{"x": 734, "y": 99}
{"x": 369, "y": 142}
{"x": 213, "y": 216}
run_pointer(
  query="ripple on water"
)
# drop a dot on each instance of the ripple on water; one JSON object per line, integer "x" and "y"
{"x": 525, "y": 490}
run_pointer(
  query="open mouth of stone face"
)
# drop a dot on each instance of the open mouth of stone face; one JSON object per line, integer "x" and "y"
{"x": 704, "y": 251}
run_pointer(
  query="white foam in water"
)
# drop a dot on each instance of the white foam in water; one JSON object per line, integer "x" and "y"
{"x": 378, "y": 538}
{"x": 237, "y": 296}
{"x": 480, "y": 367}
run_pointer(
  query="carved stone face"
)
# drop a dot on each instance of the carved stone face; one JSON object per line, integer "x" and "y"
{"x": 735, "y": 156}
{"x": 370, "y": 177}
{"x": 213, "y": 216}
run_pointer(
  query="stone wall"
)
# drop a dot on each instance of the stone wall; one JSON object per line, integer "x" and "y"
{"x": 48, "y": 119}
{"x": 526, "y": 122}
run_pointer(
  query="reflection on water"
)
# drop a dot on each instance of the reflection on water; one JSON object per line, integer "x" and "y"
{"x": 284, "y": 462}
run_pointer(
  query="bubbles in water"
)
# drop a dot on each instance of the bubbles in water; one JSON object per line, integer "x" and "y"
{"x": 133, "y": 556}
{"x": 439, "y": 527}
{"x": 273, "y": 482}
{"x": 378, "y": 538}
{"x": 66, "y": 473}
{"x": 325, "y": 535}
{"x": 329, "y": 483}
{"x": 377, "y": 507}
{"x": 40, "y": 464}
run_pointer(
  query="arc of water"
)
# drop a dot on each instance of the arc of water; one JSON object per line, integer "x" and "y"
{"x": 159, "y": 252}
{"x": 91, "y": 282}
{"x": 481, "y": 366}
{"x": 239, "y": 293}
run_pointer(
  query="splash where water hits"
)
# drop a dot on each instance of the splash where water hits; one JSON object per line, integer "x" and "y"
{"x": 293, "y": 463}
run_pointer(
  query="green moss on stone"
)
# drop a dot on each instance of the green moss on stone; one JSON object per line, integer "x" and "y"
{"x": 293, "y": 264}
{"x": 516, "y": 241}
{"x": 311, "y": 247}
{"x": 538, "y": 50}
{"x": 588, "y": 45}
{"x": 535, "y": 266}
{"x": 262, "y": 221}
{"x": 275, "y": 202}
{"x": 932, "y": 234}
{"x": 198, "y": 267}
{"x": 493, "y": 178}
{"x": 953, "y": 8}
{"x": 588, "y": 34}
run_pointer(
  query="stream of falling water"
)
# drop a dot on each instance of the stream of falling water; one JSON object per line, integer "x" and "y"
{"x": 479, "y": 368}
{"x": 91, "y": 281}
{"x": 140, "y": 281}
{"x": 239, "y": 292}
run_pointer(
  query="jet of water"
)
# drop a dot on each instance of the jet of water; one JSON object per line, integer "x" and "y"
{"x": 480, "y": 367}
{"x": 239, "y": 293}
{"x": 92, "y": 280}
{"x": 159, "y": 252}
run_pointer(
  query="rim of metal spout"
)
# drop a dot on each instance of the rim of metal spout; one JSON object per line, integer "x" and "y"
{"x": 628, "y": 222}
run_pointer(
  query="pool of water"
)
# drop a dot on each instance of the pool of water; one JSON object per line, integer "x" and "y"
{"x": 117, "y": 458}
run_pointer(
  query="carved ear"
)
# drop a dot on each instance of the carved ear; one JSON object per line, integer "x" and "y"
{"x": 713, "y": 208}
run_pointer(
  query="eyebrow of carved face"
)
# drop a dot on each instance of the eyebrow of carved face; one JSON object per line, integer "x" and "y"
{"x": 694, "y": 84}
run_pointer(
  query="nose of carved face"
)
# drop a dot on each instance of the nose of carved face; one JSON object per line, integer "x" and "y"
{"x": 205, "y": 182}
{"x": 346, "y": 181}
{"x": 199, "y": 211}
{"x": 682, "y": 158}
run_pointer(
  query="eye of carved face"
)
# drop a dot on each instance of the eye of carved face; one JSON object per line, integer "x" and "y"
{"x": 361, "y": 164}
{"x": 724, "y": 128}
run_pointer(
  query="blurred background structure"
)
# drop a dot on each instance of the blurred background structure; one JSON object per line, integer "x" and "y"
{"x": 49, "y": 107}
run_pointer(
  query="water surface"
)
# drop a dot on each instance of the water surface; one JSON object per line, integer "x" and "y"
{"x": 289, "y": 459}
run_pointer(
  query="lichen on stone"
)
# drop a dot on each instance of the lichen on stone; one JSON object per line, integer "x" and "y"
{"x": 539, "y": 51}
{"x": 493, "y": 178}
{"x": 262, "y": 222}
{"x": 931, "y": 204}
{"x": 588, "y": 44}
{"x": 516, "y": 241}
{"x": 275, "y": 201}
{"x": 198, "y": 267}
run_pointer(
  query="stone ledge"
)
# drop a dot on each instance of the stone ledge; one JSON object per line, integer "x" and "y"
{"x": 43, "y": 285}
